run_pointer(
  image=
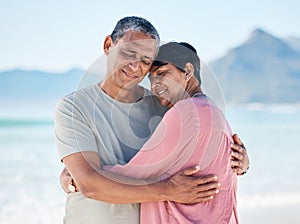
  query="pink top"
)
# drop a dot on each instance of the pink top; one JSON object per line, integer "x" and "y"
{"x": 193, "y": 132}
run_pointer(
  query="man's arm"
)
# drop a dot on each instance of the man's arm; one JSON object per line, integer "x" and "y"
{"x": 181, "y": 188}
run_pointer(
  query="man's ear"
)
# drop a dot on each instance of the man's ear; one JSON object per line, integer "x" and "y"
{"x": 189, "y": 68}
{"x": 108, "y": 43}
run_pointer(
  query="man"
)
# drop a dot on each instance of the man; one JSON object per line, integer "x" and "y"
{"x": 106, "y": 123}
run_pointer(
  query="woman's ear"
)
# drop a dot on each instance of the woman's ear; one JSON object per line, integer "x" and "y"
{"x": 108, "y": 43}
{"x": 189, "y": 68}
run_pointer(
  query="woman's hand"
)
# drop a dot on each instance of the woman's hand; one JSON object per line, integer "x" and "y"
{"x": 66, "y": 181}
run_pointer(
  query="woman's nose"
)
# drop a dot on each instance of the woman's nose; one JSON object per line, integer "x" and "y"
{"x": 154, "y": 83}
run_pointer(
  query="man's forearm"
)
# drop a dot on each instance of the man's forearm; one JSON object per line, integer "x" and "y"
{"x": 109, "y": 187}
{"x": 105, "y": 186}
{"x": 115, "y": 189}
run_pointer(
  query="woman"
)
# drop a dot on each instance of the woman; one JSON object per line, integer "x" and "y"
{"x": 193, "y": 132}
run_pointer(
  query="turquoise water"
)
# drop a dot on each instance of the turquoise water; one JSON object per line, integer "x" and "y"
{"x": 29, "y": 164}
{"x": 14, "y": 123}
{"x": 29, "y": 169}
{"x": 272, "y": 136}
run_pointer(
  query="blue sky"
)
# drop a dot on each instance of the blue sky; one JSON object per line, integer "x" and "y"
{"x": 58, "y": 35}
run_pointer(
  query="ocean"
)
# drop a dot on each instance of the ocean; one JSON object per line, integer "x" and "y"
{"x": 268, "y": 193}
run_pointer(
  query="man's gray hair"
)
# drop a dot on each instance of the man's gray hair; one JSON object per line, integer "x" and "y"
{"x": 134, "y": 23}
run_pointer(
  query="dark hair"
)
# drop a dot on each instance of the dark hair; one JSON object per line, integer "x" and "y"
{"x": 178, "y": 54}
{"x": 134, "y": 23}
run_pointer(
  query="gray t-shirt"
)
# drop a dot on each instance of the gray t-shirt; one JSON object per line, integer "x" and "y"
{"x": 90, "y": 120}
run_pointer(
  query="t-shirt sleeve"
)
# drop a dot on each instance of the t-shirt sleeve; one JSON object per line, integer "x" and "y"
{"x": 72, "y": 132}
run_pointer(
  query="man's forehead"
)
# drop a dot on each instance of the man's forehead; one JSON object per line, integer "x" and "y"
{"x": 143, "y": 48}
{"x": 146, "y": 45}
{"x": 131, "y": 35}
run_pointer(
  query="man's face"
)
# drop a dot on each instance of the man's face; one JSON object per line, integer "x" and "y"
{"x": 130, "y": 59}
{"x": 168, "y": 83}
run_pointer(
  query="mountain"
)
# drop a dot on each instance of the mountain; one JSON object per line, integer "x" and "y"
{"x": 20, "y": 85}
{"x": 294, "y": 42}
{"x": 264, "y": 69}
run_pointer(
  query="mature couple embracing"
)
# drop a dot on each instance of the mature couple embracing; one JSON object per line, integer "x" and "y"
{"x": 128, "y": 167}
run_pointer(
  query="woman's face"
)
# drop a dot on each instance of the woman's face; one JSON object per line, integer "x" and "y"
{"x": 168, "y": 83}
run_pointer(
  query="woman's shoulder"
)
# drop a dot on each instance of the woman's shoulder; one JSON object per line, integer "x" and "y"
{"x": 193, "y": 103}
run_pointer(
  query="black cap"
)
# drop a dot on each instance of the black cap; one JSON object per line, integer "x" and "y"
{"x": 178, "y": 54}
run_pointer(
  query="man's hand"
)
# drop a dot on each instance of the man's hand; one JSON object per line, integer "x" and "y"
{"x": 66, "y": 181}
{"x": 239, "y": 157}
{"x": 182, "y": 187}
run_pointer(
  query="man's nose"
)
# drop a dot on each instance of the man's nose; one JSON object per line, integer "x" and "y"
{"x": 134, "y": 65}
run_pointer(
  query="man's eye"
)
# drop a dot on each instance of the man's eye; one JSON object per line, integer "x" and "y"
{"x": 147, "y": 62}
{"x": 127, "y": 54}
